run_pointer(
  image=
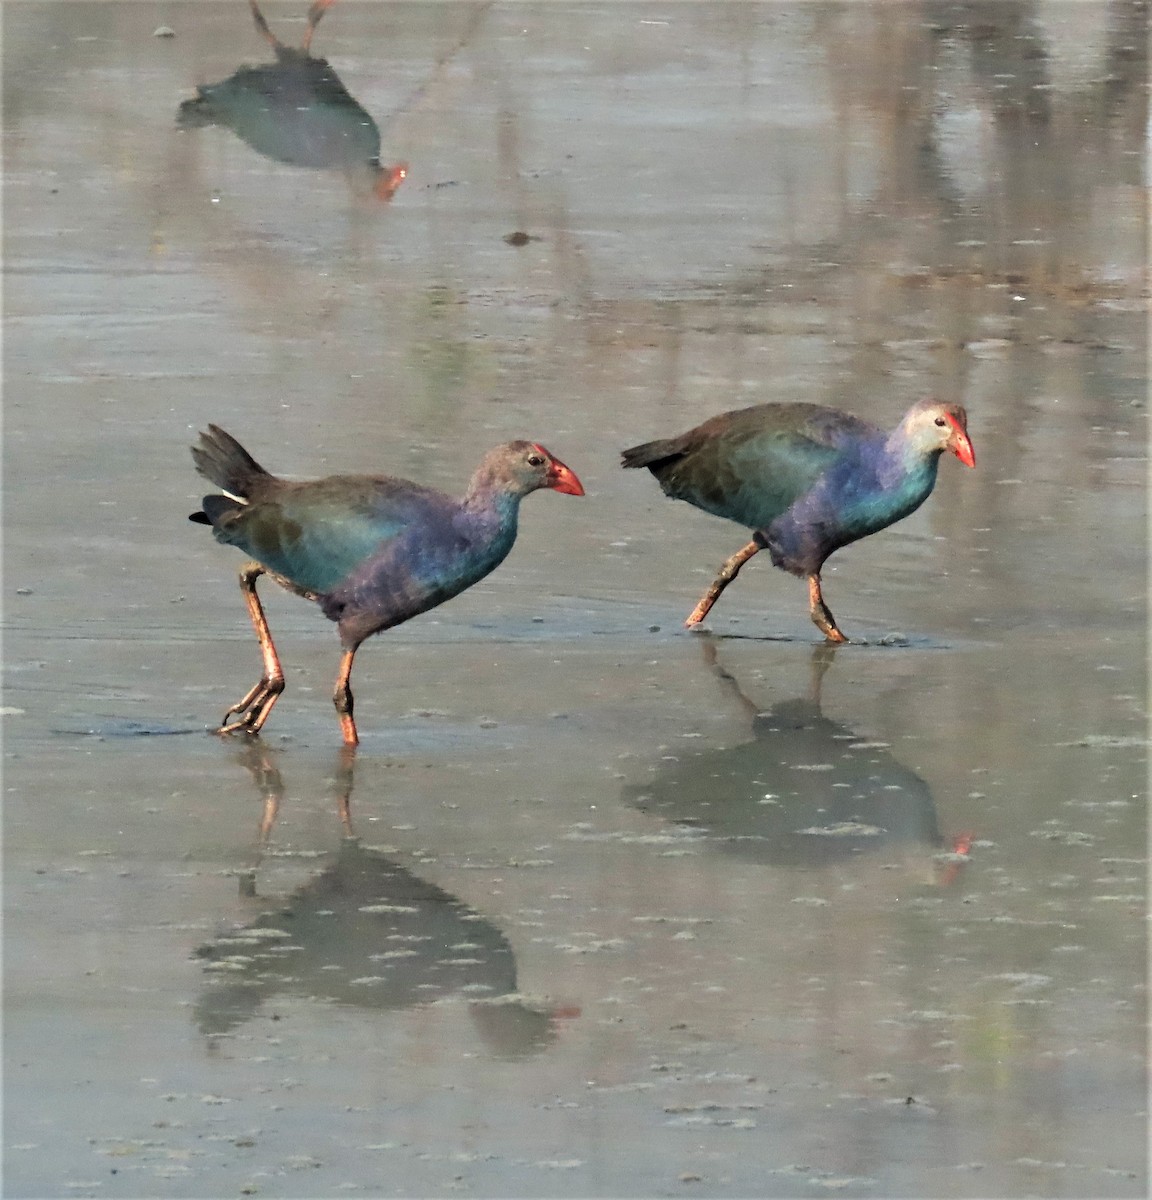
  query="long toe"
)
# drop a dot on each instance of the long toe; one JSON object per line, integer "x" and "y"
{"x": 241, "y": 726}
{"x": 826, "y": 623}
{"x": 253, "y": 710}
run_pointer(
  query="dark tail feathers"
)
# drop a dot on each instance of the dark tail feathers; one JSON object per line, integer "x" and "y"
{"x": 652, "y": 454}
{"x": 215, "y": 507}
{"x": 220, "y": 458}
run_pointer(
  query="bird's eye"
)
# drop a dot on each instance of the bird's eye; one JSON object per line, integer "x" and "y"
{"x": 941, "y": 422}
{"x": 534, "y": 460}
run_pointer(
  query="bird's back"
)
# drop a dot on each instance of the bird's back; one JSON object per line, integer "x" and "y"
{"x": 752, "y": 464}
{"x": 316, "y": 534}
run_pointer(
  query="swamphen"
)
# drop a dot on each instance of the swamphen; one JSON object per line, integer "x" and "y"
{"x": 296, "y": 111}
{"x": 807, "y": 479}
{"x": 371, "y": 550}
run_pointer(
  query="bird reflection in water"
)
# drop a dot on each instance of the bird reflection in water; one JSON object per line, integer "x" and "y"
{"x": 297, "y": 111}
{"x": 366, "y": 932}
{"x": 806, "y": 791}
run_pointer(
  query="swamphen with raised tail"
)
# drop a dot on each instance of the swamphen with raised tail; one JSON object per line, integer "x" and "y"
{"x": 807, "y": 479}
{"x": 297, "y": 111}
{"x": 371, "y": 550}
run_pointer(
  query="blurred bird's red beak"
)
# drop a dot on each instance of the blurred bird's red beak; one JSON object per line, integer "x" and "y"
{"x": 562, "y": 478}
{"x": 960, "y": 444}
{"x": 389, "y": 179}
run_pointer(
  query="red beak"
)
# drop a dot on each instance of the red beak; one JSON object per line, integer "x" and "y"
{"x": 562, "y": 478}
{"x": 389, "y": 179}
{"x": 960, "y": 444}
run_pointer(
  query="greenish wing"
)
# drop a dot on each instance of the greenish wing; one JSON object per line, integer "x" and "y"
{"x": 756, "y": 468}
{"x": 315, "y": 535}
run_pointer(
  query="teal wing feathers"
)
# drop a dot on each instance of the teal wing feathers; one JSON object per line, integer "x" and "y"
{"x": 316, "y": 534}
{"x": 750, "y": 466}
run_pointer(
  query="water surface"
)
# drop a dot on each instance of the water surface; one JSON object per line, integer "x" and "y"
{"x": 601, "y": 907}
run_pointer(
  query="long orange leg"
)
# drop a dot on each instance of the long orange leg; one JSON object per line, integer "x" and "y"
{"x": 821, "y": 614}
{"x": 728, "y": 572}
{"x": 342, "y": 698}
{"x": 253, "y": 710}
{"x": 262, "y": 26}
{"x": 318, "y": 9}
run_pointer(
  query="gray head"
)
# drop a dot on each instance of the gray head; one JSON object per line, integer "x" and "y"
{"x": 518, "y": 468}
{"x": 935, "y": 425}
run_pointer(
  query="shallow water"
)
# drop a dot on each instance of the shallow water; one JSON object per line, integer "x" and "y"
{"x": 600, "y": 907}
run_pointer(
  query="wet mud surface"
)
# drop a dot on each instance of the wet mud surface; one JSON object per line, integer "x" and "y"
{"x": 600, "y": 907}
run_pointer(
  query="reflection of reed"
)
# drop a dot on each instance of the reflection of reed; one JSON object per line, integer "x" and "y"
{"x": 806, "y": 791}
{"x": 951, "y": 160}
{"x": 368, "y": 933}
{"x": 297, "y": 111}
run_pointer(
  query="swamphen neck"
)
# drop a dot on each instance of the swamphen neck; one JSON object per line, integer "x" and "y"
{"x": 875, "y": 480}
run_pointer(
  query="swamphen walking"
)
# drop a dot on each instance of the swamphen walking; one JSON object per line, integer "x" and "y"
{"x": 807, "y": 479}
{"x": 371, "y": 550}
{"x": 296, "y": 111}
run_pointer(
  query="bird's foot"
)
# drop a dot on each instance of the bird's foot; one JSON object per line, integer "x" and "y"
{"x": 826, "y": 623}
{"x": 244, "y": 726}
{"x": 823, "y": 619}
{"x": 820, "y": 613}
{"x": 253, "y": 710}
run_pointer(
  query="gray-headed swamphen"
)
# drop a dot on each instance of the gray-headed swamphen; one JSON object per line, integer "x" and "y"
{"x": 806, "y": 479}
{"x": 371, "y": 550}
